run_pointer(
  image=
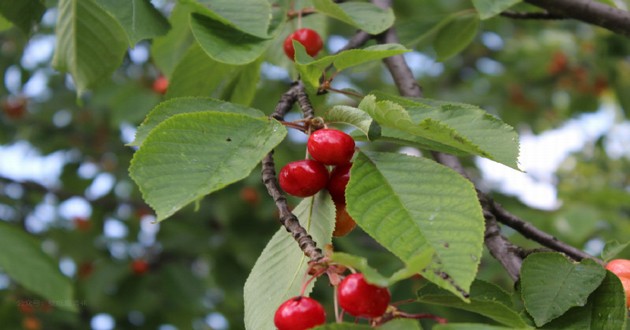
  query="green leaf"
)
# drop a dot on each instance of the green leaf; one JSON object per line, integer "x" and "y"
{"x": 410, "y": 205}
{"x": 168, "y": 50}
{"x": 612, "y": 249}
{"x": 129, "y": 102}
{"x": 197, "y": 74}
{"x": 606, "y": 309}
{"x": 551, "y": 284}
{"x": 468, "y": 326}
{"x": 23, "y": 13}
{"x": 251, "y": 17}
{"x": 491, "y": 8}
{"x": 280, "y": 271}
{"x": 455, "y": 36}
{"x": 355, "y": 117}
{"x": 5, "y": 24}
{"x": 24, "y": 261}
{"x": 243, "y": 85}
{"x": 311, "y": 70}
{"x": 397, "y": 324}
{"x": 90, "y": 43}
{"x": 363, "y": 16}
{"x": 486, "y": 299}
{"x": 463, "y": 127}
{"x": 417, "y": 265}
{"x": 138, "y": 17}
{"x": 190, "y": 155}
{"x": 180, "y": 105}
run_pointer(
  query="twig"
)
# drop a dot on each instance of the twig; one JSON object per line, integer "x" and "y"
{"x": 545, "y": 15}
{"x": 500, "y": 248}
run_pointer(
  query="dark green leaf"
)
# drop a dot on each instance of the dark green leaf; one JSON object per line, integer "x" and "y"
{"x": 491, "y": 8}
{"x": 168, "y": 50}
{"x": 23, "y": 13}
{"x": 455, "y": 36}
{"x": 363, "y": 16}
{"x": 612, "y": 249}
{"x": 138, "y": 17}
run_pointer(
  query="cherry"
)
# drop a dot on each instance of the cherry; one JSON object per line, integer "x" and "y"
{"x": 343, "y": 221}
{"x": 14, "y": 108}
{"x": 361, "y": 299}
{"x": 338, "y": 181}
{"x": 299, "y": 313}
{"x": 310, "y": 39}
{"x": 82, "y": 224}
{"x": 303, "y": 178}
{"x": 621, "y": 268}
{"x": 139, "y": 266}
{"x": 160, "y": 85}
{"x": 330, "y": 147}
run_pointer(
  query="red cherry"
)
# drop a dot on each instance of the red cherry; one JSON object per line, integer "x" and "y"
{"x": 299, "y": 313}
{"x": 338, "y": 181}
{"x": 139, "y": 266}
{"x": 344, "y": 223}
{"x": 160, "y": 85}
{"x": 361, "y": 299}
{"x": 303, "y": 178}
{"x": 82, "y": 224}
{"x": 310, "y": 39}
{"x": 621, "y": 268}
{"x": 330, "y": 146}
{"x": 14, "y": 108}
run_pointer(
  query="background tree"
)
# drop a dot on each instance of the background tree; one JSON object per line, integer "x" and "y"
{"x": 195, "y": 104}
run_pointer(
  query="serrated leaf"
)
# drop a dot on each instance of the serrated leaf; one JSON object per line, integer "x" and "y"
{"x": 242, "y": 87}
{"x": 411, "y": 204}
{"x": 90, "y": 43}
{"x": 168, "y": 50}
{"x": 463, "y": 127}
{"x": 455, "y": 36}
{"x": 181, "y": 105}
{"x": 551, "y": 284}
{"x": 355, "y": 117}
{"x": 468, "y": 326}
{"x": 197, "y": 74}
{"x": 23, "y": 13}
{"x": 606, "y": 309}
{"x": 190, "y": 155}
{"x": 612, "y": 249}
{"x": 486, "y": 299}
{"x": 397, "y": 324}
{"x": 311, "y": 70}
{"x": 24, "y": 261}
{"x": 251, "y": 17}
{"x": 417, "y": 265}
{"x": 138, "y": 17}
{"x": 491, "y": 8}
{"x": 280, "y": 270}
{"x": 363, "y": 16}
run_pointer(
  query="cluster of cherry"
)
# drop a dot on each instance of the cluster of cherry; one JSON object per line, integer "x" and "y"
{"x": 355, "y": 296}
{"x": 304, "y": 178}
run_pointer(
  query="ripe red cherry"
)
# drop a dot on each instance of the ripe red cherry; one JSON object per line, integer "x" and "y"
{"x": 310, "y": 39}
{"x": 139, "y": 266}
{"x": 299, "y": 313}
{"x": 338, "y": 181}
{"x": 621, "y": 268}
{"x": 303, "y": 178}
{"x": 361, "y": 299}
{"x": 160, "y": 85}
{"x": 330, "y": 146}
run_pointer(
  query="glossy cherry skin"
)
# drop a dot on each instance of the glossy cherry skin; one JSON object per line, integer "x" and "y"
{"x": 361, "y": 299}
{"x": 330, "y": 146}
{"x": 303, "y": 178}
{"x": 344, "y": 223}
{"x": 338, "y": 181}
{"x": 621, "y": 268}
{"x": 299, "y": 313}
{"x": 310, "y": 39}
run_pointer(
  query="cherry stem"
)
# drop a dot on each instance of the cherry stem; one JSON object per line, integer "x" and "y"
{"x": 294, "y": 125}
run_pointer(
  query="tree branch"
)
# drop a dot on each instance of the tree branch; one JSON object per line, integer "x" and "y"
{"x": 589, "y": 11}
{"x": 545, "y": 15}
{"x": 500, "y": 248}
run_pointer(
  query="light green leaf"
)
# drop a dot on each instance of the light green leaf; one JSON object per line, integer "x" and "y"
{"x": 355, "y": 117}
{"x": 606, "y": 309}
{"x": 281, "y": 268}
{"x": 243, "y": 85}
{"x": 486, "y": 299}
{"x": 90, "y": 43}
{"x": 612, "y": 249}
{"x": 168, "y": 50}
{"x": 24, "y": 261}
{"x": 363, "y": 16}
{"x": 138, "y": 17}
{"x": 251, "y": 17}
{"x": 468, "y": 326}
{"x": 411, "y": 205}
{"x": 455, "y": 36}
{"x": 190, "y": 155}
{"x": 180, "y": 105}
{"x": 23, "y": 13}
{"x": 491, "y": 8}
{"x": 5, "y": 24}
{"x": 551, "y": 284}
{"x": 459, "y": 126}
{"x": 396, "y": 324}
{"x": 417, "y": 265}
{"x": 311, "y": 70}
{"x": 198, "y": 75}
